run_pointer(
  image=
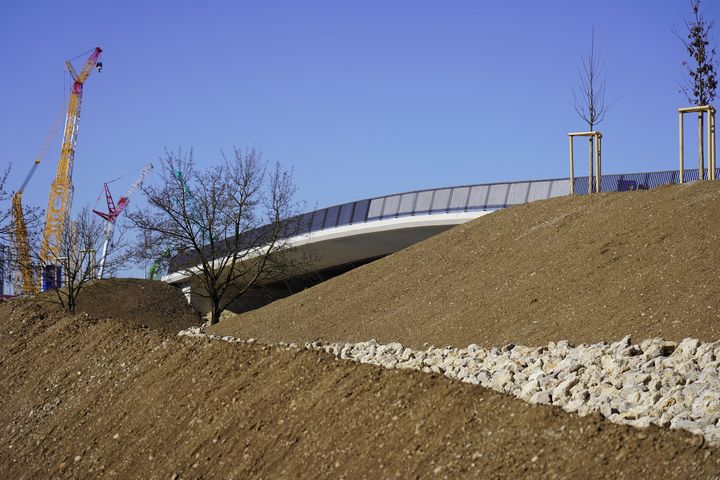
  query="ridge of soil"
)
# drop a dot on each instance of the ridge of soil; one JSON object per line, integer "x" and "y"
{"x": 578, "y": 268}
{"x": 146, "y": 303}
{"x": 84, "y": 397}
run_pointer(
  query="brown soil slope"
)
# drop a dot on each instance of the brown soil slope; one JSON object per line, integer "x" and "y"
{"x": 87, "y": 398}
{"x": 146, "y": 303}
{"x": 581, "y": 268}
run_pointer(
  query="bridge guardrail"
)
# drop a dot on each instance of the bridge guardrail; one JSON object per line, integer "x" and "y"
{"x": 470, "y": 198}
{"x": 480, "y": 197}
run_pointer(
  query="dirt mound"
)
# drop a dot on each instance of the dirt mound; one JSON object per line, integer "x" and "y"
{"x": 579, "y": 268}
{"x": 147, "y": 303}
{"x": 89, "y": 398}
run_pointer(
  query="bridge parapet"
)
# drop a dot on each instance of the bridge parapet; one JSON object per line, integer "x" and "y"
{"x": 467, "y": 198}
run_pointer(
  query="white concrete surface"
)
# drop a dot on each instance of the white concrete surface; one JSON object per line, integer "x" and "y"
{"x": 349, "y": 243}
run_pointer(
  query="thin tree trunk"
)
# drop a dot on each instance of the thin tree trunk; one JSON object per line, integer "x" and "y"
{"x": 215, "y": 313}
{"x": 71, "y": 298}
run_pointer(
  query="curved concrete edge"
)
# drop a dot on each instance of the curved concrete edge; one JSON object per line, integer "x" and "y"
{"x": 375, "y": 230}
{"x": 386, "y": 225}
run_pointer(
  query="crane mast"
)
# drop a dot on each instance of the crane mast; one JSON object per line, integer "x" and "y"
{"x": 62, "y": 188}
{"x": 23, "y": 246}
{"x": 21, "y": 236}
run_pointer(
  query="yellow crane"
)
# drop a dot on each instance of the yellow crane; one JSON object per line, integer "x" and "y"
{"x": 62, "y": 188}
{"x": 29, "y": 285}
{"x": 22, "y": 244}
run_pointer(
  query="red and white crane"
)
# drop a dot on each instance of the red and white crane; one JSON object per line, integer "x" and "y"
{"x": 114, "y": 211}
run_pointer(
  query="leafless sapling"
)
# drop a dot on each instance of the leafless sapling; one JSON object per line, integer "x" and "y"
{"x": 589, "y": 94}
{"x": 701, "y": 67}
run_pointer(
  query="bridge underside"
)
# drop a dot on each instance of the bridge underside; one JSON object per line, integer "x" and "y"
{"x": 333, "y": 252}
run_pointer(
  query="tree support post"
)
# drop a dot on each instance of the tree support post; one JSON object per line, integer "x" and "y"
{"x": 572, "y": 167}
{"x": 594, "y": 173}
{"x": 701, "y": 110}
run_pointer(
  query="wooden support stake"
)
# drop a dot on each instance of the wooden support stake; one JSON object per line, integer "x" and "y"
{"x": 598, "y": 140}
{"x": 701, "y": 156}
{"x": 682, "y": 149}
{"x": 572, "y": 167}
{"x": 590, "y": 167}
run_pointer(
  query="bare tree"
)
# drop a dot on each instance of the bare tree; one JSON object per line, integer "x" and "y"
{"x": 5, "y": 228}
{"x": 700, "y": 88}
{"x": 227, "y": 225}
{"x": 6, "y": 211}
{"x": 74, "y": 264}
{"x": 589, "y": 94}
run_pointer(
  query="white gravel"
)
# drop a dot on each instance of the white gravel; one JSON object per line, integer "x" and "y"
{"x": 675, "y": 385}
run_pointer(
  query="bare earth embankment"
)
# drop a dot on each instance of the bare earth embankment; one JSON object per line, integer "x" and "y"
{"x": 582, "y": 269}
{"x": 112, "y": 392}
{"x": 106, "y": 398}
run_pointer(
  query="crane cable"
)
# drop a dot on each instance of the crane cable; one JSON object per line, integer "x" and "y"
{"x": 100, "y": 195}
{"x": 44, "y": 148}
{"x": 51, "y": 135}
{"x": 126, "y": 175}
{"x": 81, "y": 55}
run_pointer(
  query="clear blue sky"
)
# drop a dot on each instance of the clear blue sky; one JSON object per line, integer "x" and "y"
{"x": 361, "y": 98}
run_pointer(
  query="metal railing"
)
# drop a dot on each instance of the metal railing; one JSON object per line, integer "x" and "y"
{"x": 481, "y": 197}
{"x": 470, "y": 198}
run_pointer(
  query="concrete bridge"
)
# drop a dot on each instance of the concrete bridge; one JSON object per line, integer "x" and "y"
{"x": 342, "y": 237}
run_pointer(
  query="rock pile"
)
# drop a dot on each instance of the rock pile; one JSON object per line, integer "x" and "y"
{"x": 670, "y": 384}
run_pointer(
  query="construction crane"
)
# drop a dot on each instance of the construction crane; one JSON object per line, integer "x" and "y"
{"x": 114, "y": 211}
{"x": 62, "y": 188}
{"x": 22, "y": 244}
